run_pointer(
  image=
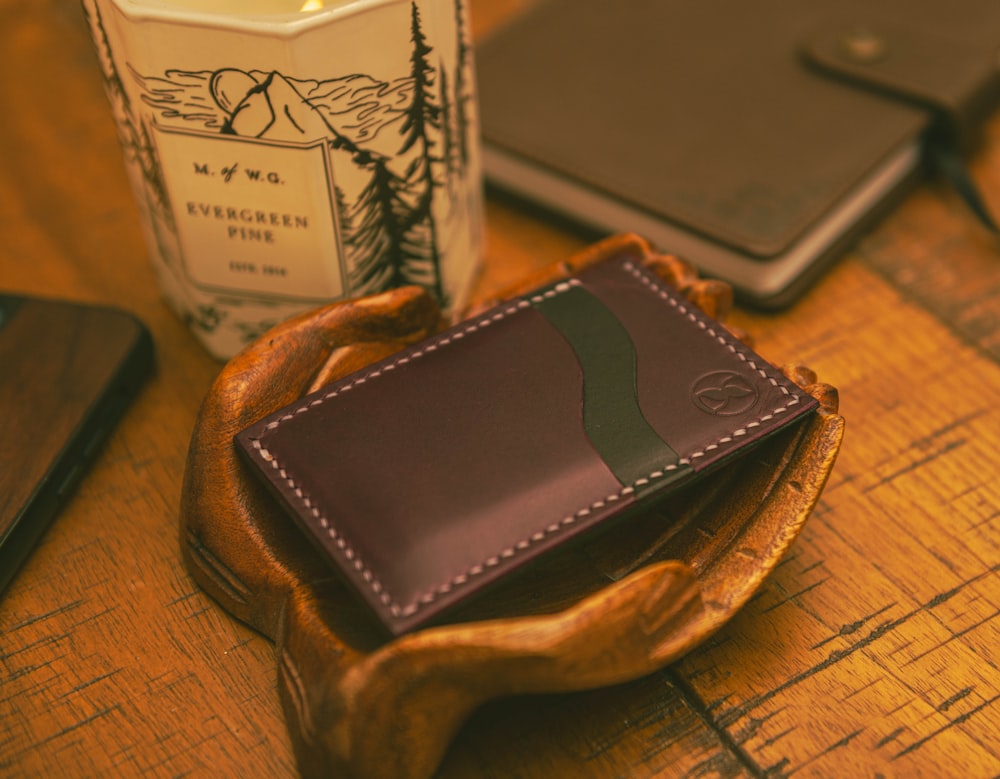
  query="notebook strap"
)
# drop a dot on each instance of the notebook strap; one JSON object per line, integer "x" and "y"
{"x": 955, "y": 79}
{"x": 946, "y": 159}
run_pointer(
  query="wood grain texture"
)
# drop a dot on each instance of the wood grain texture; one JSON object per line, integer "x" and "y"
{"x": 936, "y": 255}
{"x": 872, "y": 651}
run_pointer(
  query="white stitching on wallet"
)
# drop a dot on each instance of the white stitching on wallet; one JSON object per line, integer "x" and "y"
{"x": 477, "y": 570}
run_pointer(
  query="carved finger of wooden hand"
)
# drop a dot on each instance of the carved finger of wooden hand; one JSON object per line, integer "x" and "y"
{"x": 393, "y": 713}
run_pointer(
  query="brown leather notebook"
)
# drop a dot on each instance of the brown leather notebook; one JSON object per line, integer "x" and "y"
{"x": 431, "y": 474}
{"x": 754, "y": 138}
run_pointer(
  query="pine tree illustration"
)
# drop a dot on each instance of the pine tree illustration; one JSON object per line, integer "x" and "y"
{"x": 346, "y": 223}
{"x": 463, "y": 95}
{"x": 112, "y": 78}
{"x": 379, "y": 220}
{"x": 421, "y": 119}
{"x": 152, "y": 172}
{"x": 345, "y": 226}
{"x": 373, "y": 228}
{"x": 449, "y": 149}
{"x": 134, "y": 136}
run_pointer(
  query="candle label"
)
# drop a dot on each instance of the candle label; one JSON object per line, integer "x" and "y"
{"x": 265, "y": 190}
{"x": 253, "y": 216}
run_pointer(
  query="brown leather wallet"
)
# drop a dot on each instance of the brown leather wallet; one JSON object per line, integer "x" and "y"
{"x": 433, "y": 473}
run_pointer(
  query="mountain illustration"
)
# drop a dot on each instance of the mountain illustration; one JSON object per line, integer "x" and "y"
{"x": 271, "y": 109}
{"x": 359, "y": 105}
{"x": 273, "y": 106}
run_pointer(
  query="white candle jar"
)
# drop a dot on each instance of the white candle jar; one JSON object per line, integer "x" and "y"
{"x": 285, "y": 153}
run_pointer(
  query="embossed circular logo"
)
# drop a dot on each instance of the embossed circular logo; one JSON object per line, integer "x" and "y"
{"x": 724, "y": 393}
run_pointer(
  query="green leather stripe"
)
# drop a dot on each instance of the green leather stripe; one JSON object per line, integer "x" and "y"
{"x": 612, "y": 419}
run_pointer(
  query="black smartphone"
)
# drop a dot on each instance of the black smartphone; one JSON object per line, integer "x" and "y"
{"x": 67, "y": 373}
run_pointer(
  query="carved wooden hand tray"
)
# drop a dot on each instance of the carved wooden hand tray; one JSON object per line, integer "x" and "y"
{"x": 358, "y": 704}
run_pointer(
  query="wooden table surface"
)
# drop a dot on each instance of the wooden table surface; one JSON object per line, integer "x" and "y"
{"x": 872, "y": 651}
